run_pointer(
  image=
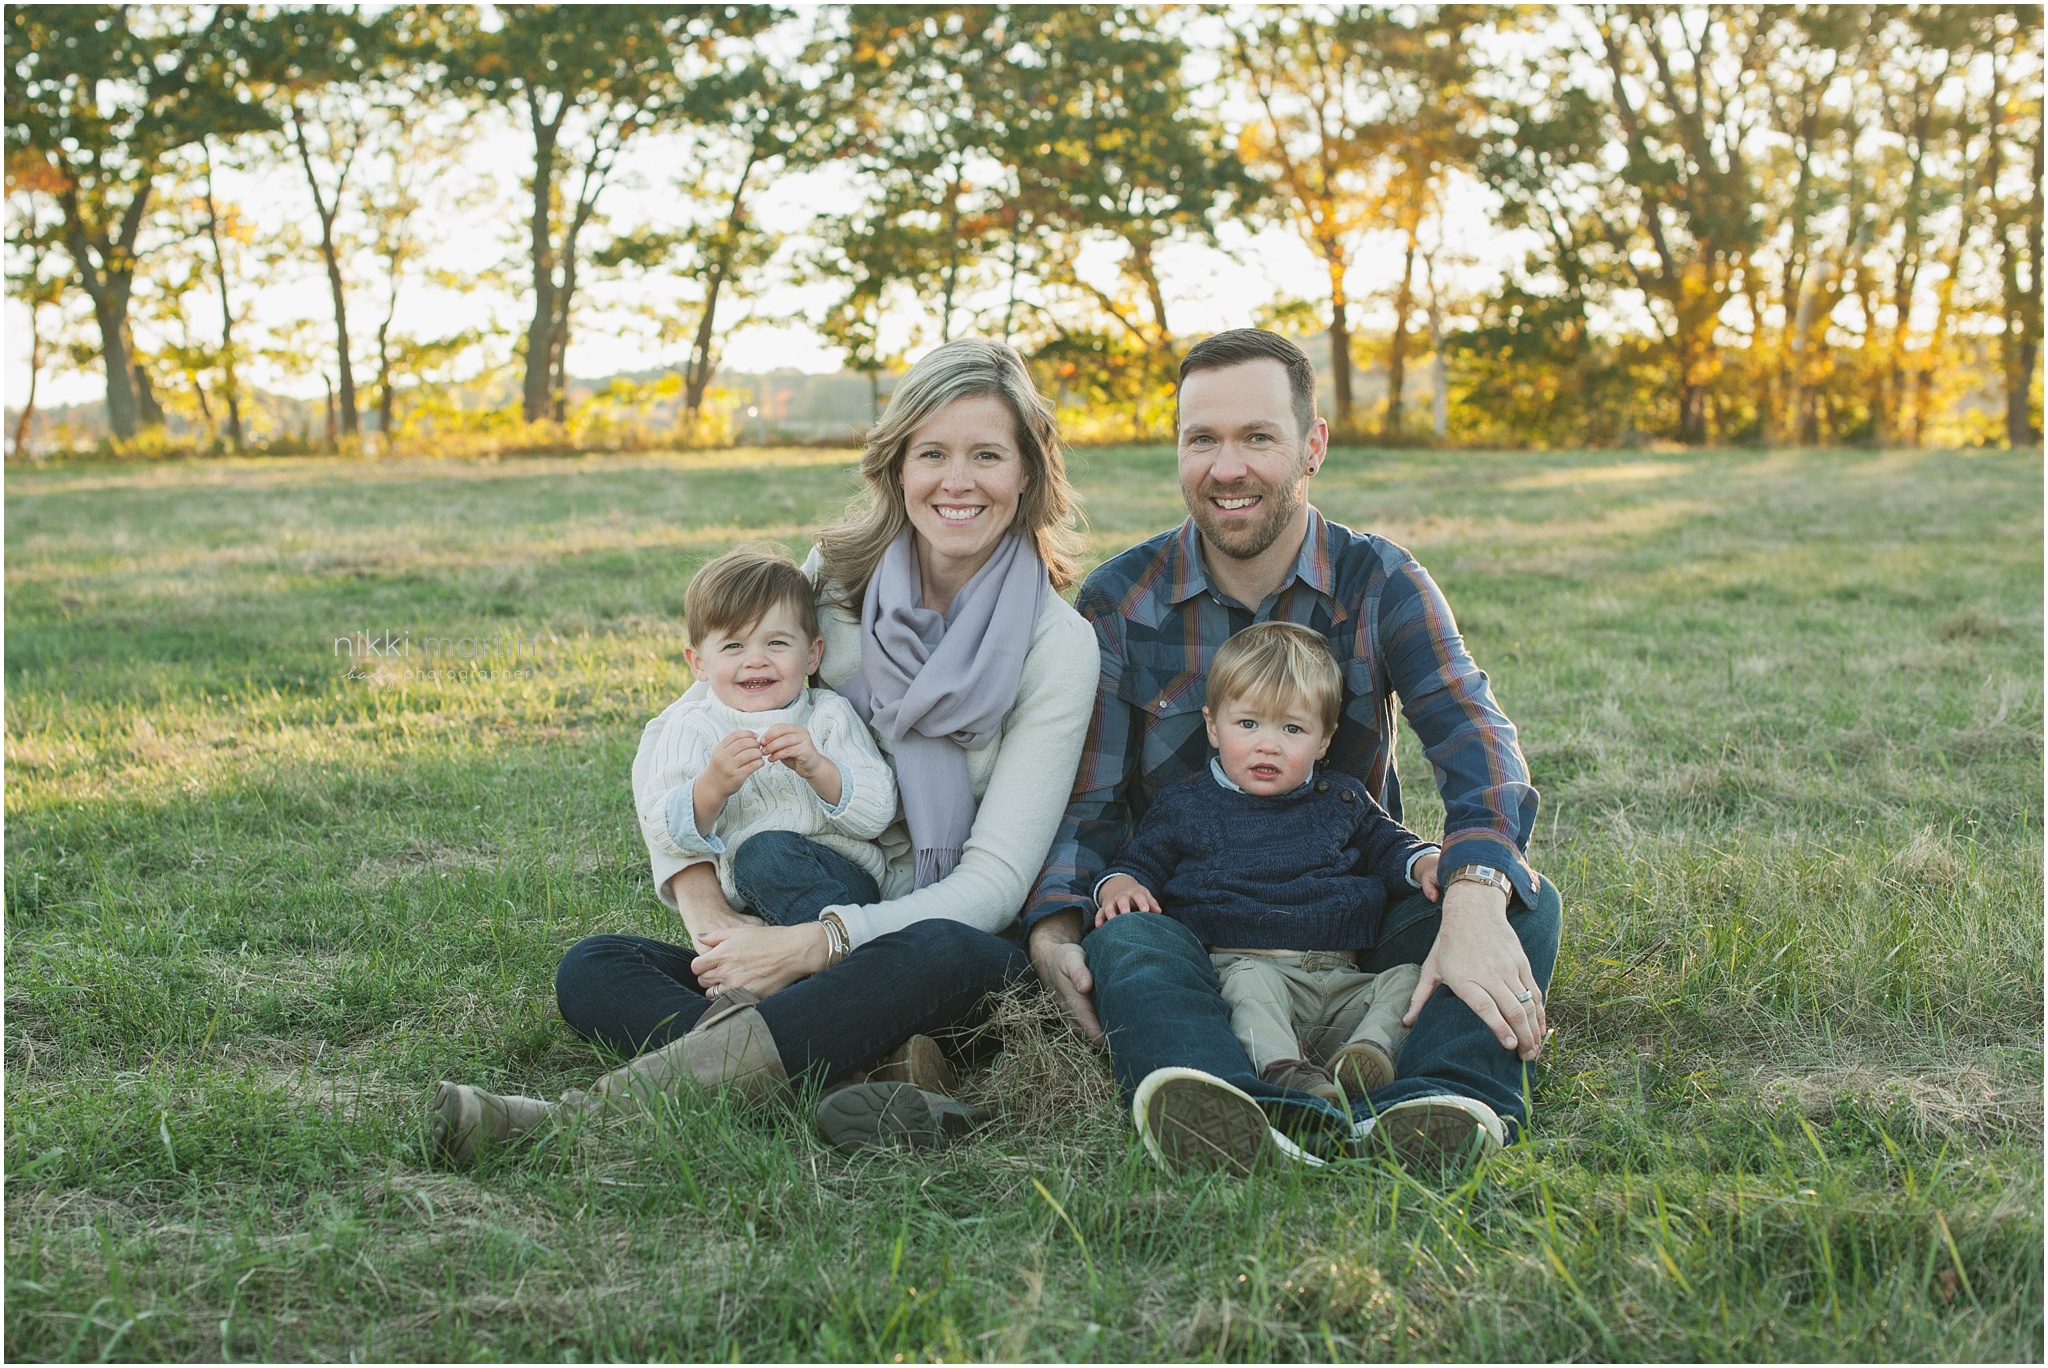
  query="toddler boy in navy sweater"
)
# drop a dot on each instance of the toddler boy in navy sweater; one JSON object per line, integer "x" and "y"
{"x": 1281, "y": 872}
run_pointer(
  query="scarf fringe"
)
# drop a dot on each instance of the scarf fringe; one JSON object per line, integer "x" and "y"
{"x": 934, "y": 865}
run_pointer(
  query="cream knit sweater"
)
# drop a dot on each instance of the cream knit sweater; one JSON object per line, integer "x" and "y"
{"x": 1022, "y": 779}
{"x": 676, "y": 746}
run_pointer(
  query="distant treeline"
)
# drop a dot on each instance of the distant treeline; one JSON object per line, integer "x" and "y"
{"x": 1808, "y": 224}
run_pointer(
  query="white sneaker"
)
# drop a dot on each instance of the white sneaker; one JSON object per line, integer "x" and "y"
{"x": 1441, "y": 1131}
{"x": 1193, "y": 1120}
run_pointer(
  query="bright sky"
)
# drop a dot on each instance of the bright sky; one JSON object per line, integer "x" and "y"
{"x": 1207, "y": 287}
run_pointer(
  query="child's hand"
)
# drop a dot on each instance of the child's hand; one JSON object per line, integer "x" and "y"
{"x": 788, "y": 744}
{"x": 733, "y": 759}
{"x": 791, "y": 745}
{"x": 1121, "y": 893}
{"x": 1425, "y": 875}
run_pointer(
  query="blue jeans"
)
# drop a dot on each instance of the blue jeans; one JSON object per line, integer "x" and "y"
{"x": 785, "y": 878}
{"x": 1160, "y": 1005}
{"x": 634, "y": 994}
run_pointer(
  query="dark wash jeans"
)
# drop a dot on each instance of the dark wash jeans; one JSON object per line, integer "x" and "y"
{"x": 1160, "y": 1005}
{"x": 785, "y": 878}
{"x": 632, "y": 994}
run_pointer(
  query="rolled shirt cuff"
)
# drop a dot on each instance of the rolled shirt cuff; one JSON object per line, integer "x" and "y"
{"x": 845, "y": 794}
{"x": 1487, "y": 848}
{"x": 682, "y": 824}
{"x": 1410, "y": 870}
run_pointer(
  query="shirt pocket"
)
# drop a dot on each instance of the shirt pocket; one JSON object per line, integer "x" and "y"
{"x": 1171, "y": 703}
{"x": 1362, "y": 702}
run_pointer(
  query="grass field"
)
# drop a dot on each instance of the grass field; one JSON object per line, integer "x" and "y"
{"x": 1784, "y": 709}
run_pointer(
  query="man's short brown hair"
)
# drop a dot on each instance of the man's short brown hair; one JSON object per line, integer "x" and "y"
{"x": 1239, "y": 345}
{"x": 737, "y": 590}
{"x": 1274, "y": 664}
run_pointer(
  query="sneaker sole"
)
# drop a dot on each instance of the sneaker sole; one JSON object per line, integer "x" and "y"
{"x": 864, "y": 1115}
{"x": 1432, "y": 1138}
{"x": 1193, "y": 1121}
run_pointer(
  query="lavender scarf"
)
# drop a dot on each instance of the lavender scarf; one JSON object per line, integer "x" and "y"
{"x": 939, "y": 686}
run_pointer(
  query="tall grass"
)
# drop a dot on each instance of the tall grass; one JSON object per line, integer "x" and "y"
{"x": 1784, "y": 709}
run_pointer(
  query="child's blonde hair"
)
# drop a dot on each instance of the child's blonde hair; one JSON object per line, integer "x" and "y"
{"x": 1274, "y": 664}
{"x": 737, "y": 590}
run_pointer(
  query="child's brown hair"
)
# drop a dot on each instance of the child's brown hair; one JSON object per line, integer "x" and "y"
{"x": 1274, "y": 663}
{"x": 739, "y": 588}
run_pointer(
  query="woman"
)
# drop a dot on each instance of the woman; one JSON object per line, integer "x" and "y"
{"x": 939, "y": 600}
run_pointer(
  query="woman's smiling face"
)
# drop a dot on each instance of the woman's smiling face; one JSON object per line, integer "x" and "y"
{"x": 963, "y": 472}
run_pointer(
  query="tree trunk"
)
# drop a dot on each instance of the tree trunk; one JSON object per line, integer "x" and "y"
{"x": 541, "y": 332}
{"x": 230, "y": 381}
{"x": 108, "y": 284}
{"x": 1397, "y": 353}
{"x": 146, "y": 407}
{"x": 2021, "y": 342}
{"x": 1340, "y": 340}
{"x": 331, "y": 257}
{"x": 35, "y": 367}
{"x": 698, "y": 378}
{"x": 330, "y": 410}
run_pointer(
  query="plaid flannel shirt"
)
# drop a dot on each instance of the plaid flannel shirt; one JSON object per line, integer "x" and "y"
{"x": 1160, "y": 624}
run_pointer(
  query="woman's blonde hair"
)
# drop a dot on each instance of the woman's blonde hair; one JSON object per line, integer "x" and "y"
{"x": 1274, "y": 664}
{"x": 852, "y": 547}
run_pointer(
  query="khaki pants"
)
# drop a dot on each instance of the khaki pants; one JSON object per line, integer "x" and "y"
{"x": 1309, "y": 1004}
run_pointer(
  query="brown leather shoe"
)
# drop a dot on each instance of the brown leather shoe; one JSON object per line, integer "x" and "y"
{"x": 1360, "y": 1067}
{"x": 1302, "y": 1076}
{"x": 918, "y": 1061}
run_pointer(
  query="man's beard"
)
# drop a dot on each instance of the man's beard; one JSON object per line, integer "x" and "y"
{"x": 1250, "y": 539}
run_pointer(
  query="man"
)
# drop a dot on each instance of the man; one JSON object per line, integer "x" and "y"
{"x": 1254, "y": 550}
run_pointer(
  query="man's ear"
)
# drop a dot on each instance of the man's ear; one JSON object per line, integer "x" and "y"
{"x": 1318, "y": 447}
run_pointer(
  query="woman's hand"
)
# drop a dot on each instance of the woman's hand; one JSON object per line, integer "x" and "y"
{"x": 764, "y": 960}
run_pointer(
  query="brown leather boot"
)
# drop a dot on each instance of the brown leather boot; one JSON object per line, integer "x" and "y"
{"x": 729, "y": 1047}
{"x": 467, "y": 1120}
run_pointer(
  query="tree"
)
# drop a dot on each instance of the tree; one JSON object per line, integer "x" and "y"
{"x": 585, "y": 80}
{"x": 98, "y": 98}
{"x": 36, "y": 277}
{"x": 1104, "y": 144}
{"x": 1362, "y": 113}
{"x": 313, "y": 67}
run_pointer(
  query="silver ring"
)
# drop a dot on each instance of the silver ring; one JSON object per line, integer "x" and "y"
{"x": 1524, "y": 997}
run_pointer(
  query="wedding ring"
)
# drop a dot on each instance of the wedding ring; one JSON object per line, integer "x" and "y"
{"x": 1523, "y": 997}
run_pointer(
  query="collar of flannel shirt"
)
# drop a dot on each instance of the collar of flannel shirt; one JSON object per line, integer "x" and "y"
{"x": 1316, "y": 566}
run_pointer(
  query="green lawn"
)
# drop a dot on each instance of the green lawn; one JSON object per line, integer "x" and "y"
{"x": 1784, "y": 709}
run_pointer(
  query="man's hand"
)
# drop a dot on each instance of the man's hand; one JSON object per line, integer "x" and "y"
{"x": 788, "y": 744}
{"x": 735, "y": 757}
{"x": 1063, "y": 969}
{"x": 1478, "y": 957}
{"x": 1120, "y": 893}
{"x": 1424, "y": 873}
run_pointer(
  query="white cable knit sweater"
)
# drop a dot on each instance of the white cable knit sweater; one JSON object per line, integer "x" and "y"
{"x": 676, "y": 746}
{"x": 1022, "y": 779}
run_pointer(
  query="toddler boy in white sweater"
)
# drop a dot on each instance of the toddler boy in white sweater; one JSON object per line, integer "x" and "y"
{"x": 781, "y": 785}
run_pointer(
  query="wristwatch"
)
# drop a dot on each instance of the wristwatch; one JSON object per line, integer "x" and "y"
{"x": 1481, "y": 874}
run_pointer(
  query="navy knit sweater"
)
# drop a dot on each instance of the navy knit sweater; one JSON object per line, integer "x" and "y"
{"x": 1307, "y": 870}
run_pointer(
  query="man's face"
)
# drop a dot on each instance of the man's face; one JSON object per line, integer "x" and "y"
{"x": 1244, "y": 462}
